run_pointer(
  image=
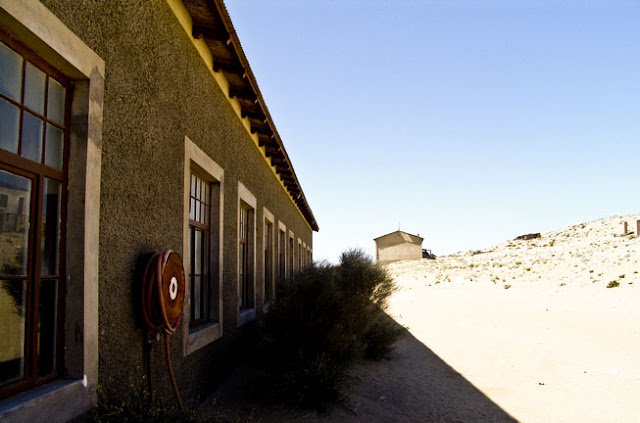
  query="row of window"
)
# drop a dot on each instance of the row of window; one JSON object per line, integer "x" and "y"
{"x": 283, "y": 253}
{"x": 35, "y": 107}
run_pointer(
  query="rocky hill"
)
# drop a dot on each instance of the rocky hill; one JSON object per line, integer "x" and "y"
{"x": 596, "y": 253}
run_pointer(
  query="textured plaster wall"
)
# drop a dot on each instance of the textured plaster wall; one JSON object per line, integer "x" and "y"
{"x": 157, "y": 91}
{"x": 398, "y": 252}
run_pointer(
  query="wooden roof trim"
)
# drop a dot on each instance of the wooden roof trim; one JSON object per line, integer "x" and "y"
{"x": 201, "y": 29}
{"x": 243, "y": 94}
{"x": 221, "y": 30}
{"x": 230, "y": 68}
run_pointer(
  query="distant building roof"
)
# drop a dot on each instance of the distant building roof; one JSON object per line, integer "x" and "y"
{"x": 399, "y": 237}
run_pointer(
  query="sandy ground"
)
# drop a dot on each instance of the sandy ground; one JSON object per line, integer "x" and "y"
{"x": 524, "y": 331}
{"x": 541, "y": 355}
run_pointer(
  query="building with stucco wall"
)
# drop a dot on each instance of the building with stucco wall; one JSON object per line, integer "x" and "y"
{"x": 133, "y": 127}
{"x": 398, "y": 246}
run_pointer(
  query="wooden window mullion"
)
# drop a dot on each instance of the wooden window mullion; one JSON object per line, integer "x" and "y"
{"x": 36, "y": 276}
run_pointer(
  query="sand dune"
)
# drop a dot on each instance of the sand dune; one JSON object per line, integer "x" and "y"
{"x": 557, "y": 345}
{"x": 588, "y": 254}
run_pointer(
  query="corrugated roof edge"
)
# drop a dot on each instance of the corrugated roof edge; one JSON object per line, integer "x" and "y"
{"x": 226, "y": 19}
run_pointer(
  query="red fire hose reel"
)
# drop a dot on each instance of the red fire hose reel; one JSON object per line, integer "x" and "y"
{"x": 163, "y": 289}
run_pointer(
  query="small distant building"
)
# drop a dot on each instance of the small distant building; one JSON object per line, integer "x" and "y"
{"x": 398, "y": 246}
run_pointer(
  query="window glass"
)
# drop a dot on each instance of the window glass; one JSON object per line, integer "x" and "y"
{"x": 31, "y": 279}
{"x": 47, "y": 308}
{"x": 54, "y": 147}
{"x": 34, "y": 84}
{"x": 56, "y": 102}
{"x": 198, "y": 254}
{"x": 13, "y": 295}
{"x": 50, "y": 238}
{"x": 268, "y": 261}
{"x": 14, "y": 230}
{"x": 32, "y": 129}
{"x": 197, "y": 306}
{"x": 10, "y": 72}
{"x": 9, "y": 120}
{"x": 199, "y": 240}
{"x": 245, "y": 256}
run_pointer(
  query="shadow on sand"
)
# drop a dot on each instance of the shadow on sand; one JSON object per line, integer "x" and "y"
{"x": 411, "y": 385}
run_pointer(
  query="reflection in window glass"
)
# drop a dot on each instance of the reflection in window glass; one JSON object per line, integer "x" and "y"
{"x": 9, "y": 120}
{"x": 47, "y": 327}
{"x": 246, "y": 293}
{"x": 199, "y": 239}
{"x": 34, "y": 82}
{"x": 196, "y": 298}
{"x": 54, "y": 147}
{"x": 13, "y": 294}
{"x": 14, "y": 231}
{"x": 32, "y": 129}
{"x": 33, "y": 110}
{"x": 51, "y": 201}
{"x": 55, "y": 102}
{"x": 10, "y": 72}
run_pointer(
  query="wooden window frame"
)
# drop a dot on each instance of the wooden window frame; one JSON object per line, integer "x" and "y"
{"x": 292, "y": 261}
{"x": 243, "y": 242}
{"x": 36, "y": 27}
{"x": 203, "y": 333}
{"x": 246, "y": 270}
{"x": 282, "y": 255}
{"x": 37, "y": 172}
{"x": 208, "y": 292}
{"x": 269, "y": 258}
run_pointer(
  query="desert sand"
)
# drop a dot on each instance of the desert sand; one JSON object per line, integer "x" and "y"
{"x": 523, "y": 331}
{"x": 556, "y": 345}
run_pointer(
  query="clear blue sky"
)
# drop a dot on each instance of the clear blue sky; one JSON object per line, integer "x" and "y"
{"x": 468, "y": 122}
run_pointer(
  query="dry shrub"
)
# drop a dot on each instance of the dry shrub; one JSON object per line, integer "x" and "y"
{"x": 330, "y": 318}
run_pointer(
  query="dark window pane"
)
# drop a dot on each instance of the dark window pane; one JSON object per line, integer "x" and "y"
{"x": 47, "y": 327}
{"x": 198, "y": 253}
{"x": 14, "y": 230}
{"x": 196, "y": 298}
{"x": 32, "y": 129}
{"x": 34, "y": 82}
{"x": 10, "y": 72}
{"x": 205, "y": 252}
{"x": 9, "y": 126}
{"x": 12, "y": 325}
{"x": 205, "y": 298}
{"x": 190, "y": 250}
{"x": 49, "y": 251}
{"x": 56, "y": 102}
{"x": 54, "y": 147}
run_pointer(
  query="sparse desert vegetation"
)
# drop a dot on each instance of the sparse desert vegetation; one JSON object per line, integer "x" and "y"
{"x": 546, "y": 327}
{"x": 591, "y": 253}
